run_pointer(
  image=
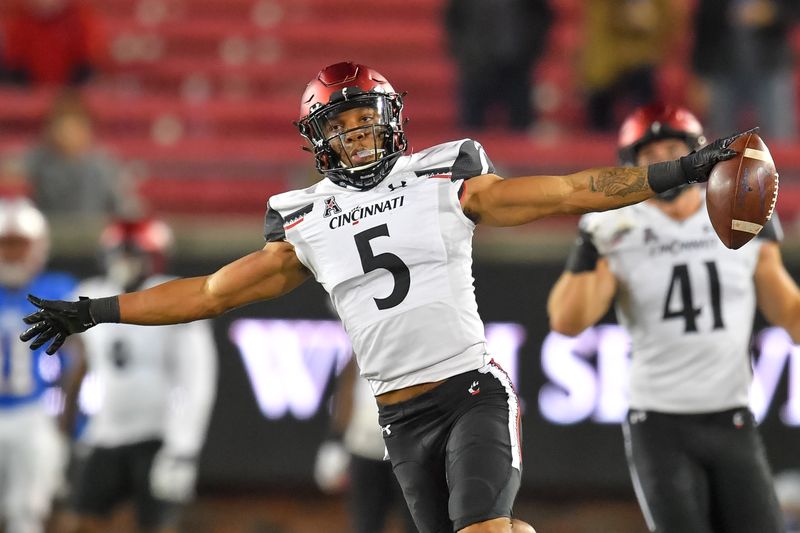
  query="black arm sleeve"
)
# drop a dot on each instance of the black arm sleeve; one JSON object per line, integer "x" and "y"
{"x": 273, "y": 226}
{"x": 583, "y": 255}
{"x": 471, "y": 161}
{"x": 772, "y": 230}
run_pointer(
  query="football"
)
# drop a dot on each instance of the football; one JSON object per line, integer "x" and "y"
{"x": 742, "y": 192}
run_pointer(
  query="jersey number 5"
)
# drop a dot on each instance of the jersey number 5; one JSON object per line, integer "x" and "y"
{"x": 681, "y": 285}
{"x": 386, "y": 260}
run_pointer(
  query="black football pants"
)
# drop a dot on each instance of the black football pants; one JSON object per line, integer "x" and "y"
{"x": 701, "y": 473}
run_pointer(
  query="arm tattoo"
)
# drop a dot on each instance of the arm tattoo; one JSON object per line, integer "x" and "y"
{"x": 619, "y": 181}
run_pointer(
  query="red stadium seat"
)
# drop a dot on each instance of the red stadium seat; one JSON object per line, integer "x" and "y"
{"x": 222, "y": 79}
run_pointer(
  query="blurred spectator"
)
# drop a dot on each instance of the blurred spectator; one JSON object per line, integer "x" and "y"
{"x": 625, "y": 41}
{"x": 12, "y": 176}
{"x": 496, "y": 44}
{"x": 157, "y": 390}
{"x": 69, "y": 174}
{"x": 51, "y": 42}
{"x": 743, "y": 52}
{"x": 32, "y": 454}
{"x": 353, "y": 458}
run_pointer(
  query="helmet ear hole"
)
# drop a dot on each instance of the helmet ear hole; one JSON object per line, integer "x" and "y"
{"x": 323, "y": 160}
{"x": 399, "y": 141}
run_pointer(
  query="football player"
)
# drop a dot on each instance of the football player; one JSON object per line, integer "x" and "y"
{"x": 31, "y": 451}
{"x": 688, "y": 302}
{"x": 388, "y": 235}
{"x": 155, "y": 386}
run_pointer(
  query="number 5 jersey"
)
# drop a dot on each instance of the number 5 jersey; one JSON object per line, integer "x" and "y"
{"x": 688, "y": 303}
{"x": 396, "y": 261}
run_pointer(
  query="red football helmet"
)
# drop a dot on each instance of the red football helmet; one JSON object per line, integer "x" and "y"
{"x": 341, "y": 87}
{"x": 133, "y": 250}
{"x": 654, "y": 122}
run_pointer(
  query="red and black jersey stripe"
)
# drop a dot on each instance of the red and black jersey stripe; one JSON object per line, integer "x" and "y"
{"x": 275, "y": 225}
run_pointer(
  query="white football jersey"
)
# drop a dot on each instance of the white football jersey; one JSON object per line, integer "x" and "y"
{"x": 396, "y": 261}
{"x": 688, "y": 303}
{"x": 148, "y": 383}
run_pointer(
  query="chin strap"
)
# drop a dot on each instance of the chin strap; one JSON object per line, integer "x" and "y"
{"x": 364, "y": 179}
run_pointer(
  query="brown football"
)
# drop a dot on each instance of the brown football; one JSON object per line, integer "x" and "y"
{"x": 742, "y": 192}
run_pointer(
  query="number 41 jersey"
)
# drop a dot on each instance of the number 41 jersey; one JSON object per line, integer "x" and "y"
{"x": 688, "y": 303}
{"x": 397, "y": 262}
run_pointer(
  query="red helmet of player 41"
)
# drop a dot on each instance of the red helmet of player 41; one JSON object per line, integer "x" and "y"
{"x": 351, "y": 116}
{"x": 655, "y": 122}
{"x": 742, "y": 191}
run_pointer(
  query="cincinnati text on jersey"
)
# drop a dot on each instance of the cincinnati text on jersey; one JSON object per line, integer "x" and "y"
{"x": 359, "y": 213}
{"x": 678, "y": 246}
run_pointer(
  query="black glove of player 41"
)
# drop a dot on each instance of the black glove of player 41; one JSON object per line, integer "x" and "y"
{"x": 57, "y": 319}
{"x": 694, "y": 167}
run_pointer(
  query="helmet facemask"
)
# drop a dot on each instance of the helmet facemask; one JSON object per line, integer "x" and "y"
{"x": 128, "y": 268}
{"x": 657, "y": 132}
{"x": 670, "y": 195}
{"x": 359, "y": 156}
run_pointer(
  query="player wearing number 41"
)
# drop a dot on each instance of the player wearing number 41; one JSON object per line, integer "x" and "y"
{"x": 388, "y": 235}
{"x": 696, "y": 458}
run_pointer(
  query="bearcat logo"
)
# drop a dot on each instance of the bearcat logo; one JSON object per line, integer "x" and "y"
{"x": 331, "y": 207}
{"x": 355, "y": 215}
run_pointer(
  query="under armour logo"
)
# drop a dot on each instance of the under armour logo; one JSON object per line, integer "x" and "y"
{"x": 392, "y": 186}
{"x": 385, "y": 430}
{"x": 475, "y": 388}
{"x": 331, "y": 207}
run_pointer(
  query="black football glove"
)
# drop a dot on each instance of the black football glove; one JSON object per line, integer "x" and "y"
{"x": 697, "y": 164}
{"x": 56, "y": 320}
{"x": 694, "y": 167}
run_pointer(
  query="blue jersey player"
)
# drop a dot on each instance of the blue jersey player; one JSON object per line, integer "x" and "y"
{"x": 30, "y": 448}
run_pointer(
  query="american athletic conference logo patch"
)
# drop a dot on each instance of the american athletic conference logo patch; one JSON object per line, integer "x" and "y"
{"x": 331, "y": 207}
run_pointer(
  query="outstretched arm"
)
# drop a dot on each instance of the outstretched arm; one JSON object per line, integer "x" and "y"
{"x": 497, "y": 202}
{"x": 268, "y": 273}
{"x": 273, "y": 271}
